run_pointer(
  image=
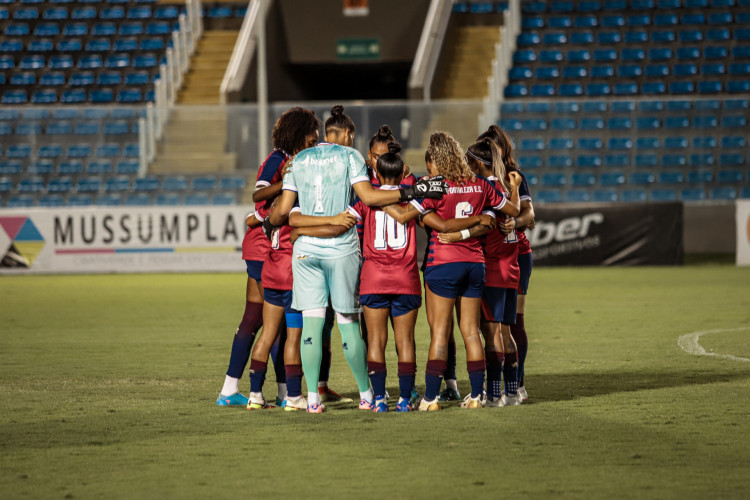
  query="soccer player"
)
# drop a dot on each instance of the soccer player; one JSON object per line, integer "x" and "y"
{"x": 325, "y": 178}
{"x": 295, "y": 130}
{"x": 455, "y": 272}
{"x": 277, "y": 293}
{"x": 390, "y": 285}
{"x": 520, "y": 224}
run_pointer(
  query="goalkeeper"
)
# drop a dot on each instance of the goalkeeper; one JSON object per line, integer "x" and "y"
{"x": 325, "y": 179}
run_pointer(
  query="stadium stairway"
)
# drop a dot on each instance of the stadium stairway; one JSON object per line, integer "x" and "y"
{"x": 464, "y": 60}
{"x": 207, "y": 67}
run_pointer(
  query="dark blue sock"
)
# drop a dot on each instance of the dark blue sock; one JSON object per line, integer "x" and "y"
{"x": 325, "y": 361}
{"x": 243, "y": 340}
{"x": 407, "y": 375}
{"x": 257, "y": 375}
{"x": 518, "y": 331}
{"x": 433, "y": 378}
{"x": 277, "y": 354}
{"x": 494, "y": 374}
{"x": 293, "y": 380}
{"x": 476, "y": 376}
{"x": 510, "y": 373}
{"x": 450, "y": 370}
{"x": 378, "y": 374}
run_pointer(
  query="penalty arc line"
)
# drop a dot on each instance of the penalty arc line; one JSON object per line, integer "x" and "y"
{"x": 689, "y": 344}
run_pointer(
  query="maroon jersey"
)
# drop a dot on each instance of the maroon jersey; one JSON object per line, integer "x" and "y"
{"x": 390, "y": 252}
{"x": 277, "y": 268}
{"x": 255, "y": 245}
{"x": 501, "y": 257}
{"x": 460, "y": 201}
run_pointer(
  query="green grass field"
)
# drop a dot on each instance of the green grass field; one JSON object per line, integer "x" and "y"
{"x": 108, "y": 387}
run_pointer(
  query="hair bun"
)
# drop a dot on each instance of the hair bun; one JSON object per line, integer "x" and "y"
{"x": 394, "y": 147}
{"x": 337, "y": 110}
{"x": 384, "y": 132}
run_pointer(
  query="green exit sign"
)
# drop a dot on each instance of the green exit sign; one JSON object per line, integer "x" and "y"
{"x": 358, "y": 48}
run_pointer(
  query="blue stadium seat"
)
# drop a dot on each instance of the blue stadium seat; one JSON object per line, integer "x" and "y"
{"x": 174, "y": 183}
{"x": 109, "y": 200}
{"x": 127, "y": 167}
{"x": 90, "y": 61}
{"x": 617, "y": 160}
{"x": 79, "y": 151}
{"x": 700, "y": 177}
{"x": 574, "y": 56}
{"x": 117, "y": 184}
{"x": 639, "y": 20}
{"x": 577, "y": 196}
{"x": 204, "y": 183}
{"x": 587, "y": 21}
{"x": 676, "y": 122}
{"x": 579, "y": 179}
{"x": 709, "y": 87}
{"x": 602, "y": 71}
{"x": 511, "y": 123}
{"x": 81, "y": 79}
{"x": 60, "y": 185}
{"x": 606, "y": 55}
{"x": 17, "y": 29}
{"x": 713, "y": 69}
{"x": 608, "y": 37}
{"x": 511, "y": 108}
{"x": 613, "y": 21}
{"x": 742, "y": 34}
{"x": 146, "y": 184}
{"x": 131, "y": 151}
{"x": 702, "y": 160}
{"x": 660, "y": 54}
{"x": 131, "y": 29}
{"x": 592, "y": 124}
{"x": 520, "y": 73}
{"x": 7, "y": 46}
{"x": 28, "y": 128}
{"x": 714, "y": 52}
{"x": 129, "y": 96}
{"x": 704, "y": 142}
{"x": 563, "y": 124}
{"x": 531, "y": 145}
{"x": 738, "y": 87}
{"x": 158, "y": 28}
{"x": 109, "y": 78}
{"x": 145, "y": 61}
{"x": 59, "y": 128}
{"x": 139, "y": 12}
{"x": 623, "y": 106}
{"x": 555, "y": 38}
{"x": 112, "y": 13}
{"x": 707, "y": 105}
{"x": 647, "y": 122}
{"x": 595, "y": 107}
{"x": 675, "y": 143}
{"x": 20, "y": 201}
{"x": 126, "y": 44}
{"x": 570, "y": 89}
{"x": 723, "y": 193}
{"x": 119, "y": 127}
{"x": 80, "y": 200}
{"x": 86, "y": 128}
{"x": 99, "y": 167}
{"x": 6, "y": 185}
{"x": 559, "y": 161}
{"x": 629, "y": 71}
{"x": 646, "y": 160}
{"x": 589, "y": 161}
{"x": 619, "y": 123}
{"x": 19, "y": 151}
{"x": 546, "y": 73}
{"x": 685, "y": 69}
{"x": 223, "y": 199}
{"x": 688, "y": 53}
{"x": 665, "y": 20}
{"x": 50, "y": 151}
{"x": 560, "y": 143}
{"x": 137, "y": 199}
{"x": 705, "y": 121}
{"x": 525, "y": 56}
{"x": 561, "y": 6}
{"x": 590, "y": 143}
{"x": 98, "y": 45}
{"x": 734, "y": 121}
{"x": 633, "y": 195}
{"x": 150, "y": 44}
{"x": 535, "y": 124}
{"x": 83, "y": 13}
{"x": 638, "y": 37}
{"x": 605, "y": 195}
{"x": 625, "y": 88}
{"x": 104, "y": 29}
{"x": 733, "y": 142}
{"x": 739, "y": 69}
{"x": 620, "y": 144}
{"x": 11, "y": 167}
{"x": 41, "y": 167}
{"x": 31, "y": 185}
{"x": 168, "y": 199}
{"x": 612, "y": 179}
{"x": 532, "y": 179}
{"x": 589, "y": 6}
{"x": 121, "y": 60}
{"x": 740, "y": 52}
{"x": 196, "y": 199}
{"x": 718, "y": 35}
{"x": 675, "y": 177}
{"x": 681, "y": 87}
{"x": 662, "y": 36}
{"x": 532, "y": 22}
{"x": 548, "y": 196}
{"x": 551, "y": 55}
{"x": 44, "y": 96}
{"x": 581, "y": 38}
{"x": 663, "y": 194}
{"x": 730, "y": 176}
{"x": 70, "y": 167}
{"x": 6, "y": 129}
{"x": 574, "y": 72}
{"x": 101, "y": 96}
{"x": 731, "y": 160}
{"x": 653, "y": 88}
{"x": 745, "y": 193}
{"x": 597, "y": 89}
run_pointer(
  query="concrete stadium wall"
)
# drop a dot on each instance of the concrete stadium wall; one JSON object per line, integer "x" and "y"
{"x": 709, "y": 228}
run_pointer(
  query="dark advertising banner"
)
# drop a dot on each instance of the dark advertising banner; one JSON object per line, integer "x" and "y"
{"x": 623, "y": 234}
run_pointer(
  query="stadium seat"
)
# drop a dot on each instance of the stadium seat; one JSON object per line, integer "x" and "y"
{"x": 675, "y": 142}
{"x": 607, "y": 55}
{"x": 196, "y": 199}
{"x": 131, "y": 151}
{"x": 532, "y": 179}
{"x": 19, "y": 151}
{"x": 659, "y": 54}
{"x": 41, "y": 167}
{"x": 525, "y": 56}
{"x": 713, "y": 52}
{"x": 718, "y": 35}
{"x": 681, "y": 87}
{"x": 674, "y": 160}
{"x": 117, "y": 184}
{"x": 589, "y": 6}
{"x": 653, "y": 88}
{"x": 729, "y": 176}
{"x": 50, "y": 151}
{"x": 608, "y": 37}
{"x": 733, "y": 142}
{"x": 734, "y": 121}
{"x": 663, "y": 194}
{"x": 20, "y": 201}
{"x": 109, "y": 200}
{"x": 80, "y": 200}
{"x": 79, "y": 151}
{"x": 702, "y": 159}
{"x": 592, "y": 123}
{"x": 577, "y": 196}
{"x": 620, "y": 143}
{"x": 548, "y": 196}
{"x": 531, "y": 145}
{"x": 60, "y": 185}
{"x": 168, "y": 199}
{"x": 589, "y": 161}
{"x": 647, "y": 122}
{"x": 579, "y": 179}
{"x": 109, "y": 78}
{"x": 602, "y": 71}
{"x": 665, "y": 20}
{"x": 558, "y": 143}
{"x": 587, "y": 21}
{"x": 542, "y": 90}
{"x": 555, "y": 38}
{"x": 99, "y": 167}
{"x": 137, "y": 199}
{"x": 6, "y": 184}
{"x": 574, "y": 72}
{"x": 617, "y": 160}
{"x": 605, "y": 195}
{"x": 174, "y": 183}
{"x": 709, "y": 87}
{"x": 581, "y": 38}
{"x": 31, "y": 185}
{"x": 679, "y": 105}
{"x": 520, "y": 73}
{"x": 131, "y": 29}
{"x": 636, "y": 37}
{"x": 625, "y": 88}
{"x": 573, "y": 56}
{"x": 70, "y": 167}
{"x": 590, "y": 143}
{"x": 629, "y": 71}
{"x": 724, "y": 193}
{"x": 563, "y": 124}
{"x": 511, "y": 108}
{"x": 559, "y": 161}
{"x": 641, "y": 4}
{"x": 539, "y": 107}
{"x": 516, "y": 90}
{"x": 704, "y": 142}
{"x": 671, "y": 177}
{"x": 745, "y": 193}
{"x": 646, "y": 160}
{"x": 738, "y": 87}
{"x": 612, "y": 179}
{"x": 204, "y": 183}
{"x": 633, "y": 195}
{"x": 144, "y": 61}
{"x": 11, "y": 167}
{"x": 547, "y": 73}
{"x": 535, "y": 124}
{"x": 700, "y": 177}
{"x": 731, "y": 160}
{"x": 597, "y": 89}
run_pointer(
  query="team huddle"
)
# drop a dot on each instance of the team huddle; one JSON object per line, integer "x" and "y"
{"x": 333, "y": 237}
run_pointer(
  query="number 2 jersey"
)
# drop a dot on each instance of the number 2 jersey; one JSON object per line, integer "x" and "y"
{"x": 465, "y": 200}
{"x": 255, "y": 245}
{"x": 389, "y": 249}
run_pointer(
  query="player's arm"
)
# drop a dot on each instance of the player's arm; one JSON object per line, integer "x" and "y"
{"x": 253, "y": 220}
{"x": 283, "y": 207}
{"x": 476, "y": 231}
{"x": 512, "y": 206}
{"x": 345, "y": 219}
{"x": 523, "y": 221}
{"x": 328, "y": 231}
{"x": 433, "y": 188}
{"x": 268, "y": 192}
{"x": 451, "y": 225}
{"x": 401, "y": 214}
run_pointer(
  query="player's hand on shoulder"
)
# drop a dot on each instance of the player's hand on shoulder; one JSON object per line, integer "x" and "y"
{"x": 488, "y": 220}
{"x": 507, "y": 226}
{"x": 515, "y": 179}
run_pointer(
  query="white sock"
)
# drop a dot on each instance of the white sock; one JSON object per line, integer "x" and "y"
{"x": 451, "y": 384}
{"x": 231, "y": 386}
{"x": 282, "y": 390}
{"x": 313, "y": 398}
{"x": 366, "y": 395}
{"x": 322, "y": 384}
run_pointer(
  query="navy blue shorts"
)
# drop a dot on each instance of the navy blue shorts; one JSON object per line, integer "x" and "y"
{"x": 525, "y": 262}
{"x": 254, "y": 269}
{"x": 456, "y": 279}
{"x": 499, "y": 305}
{"x": 283, "y": 298}
{"x": 399, "y": 304}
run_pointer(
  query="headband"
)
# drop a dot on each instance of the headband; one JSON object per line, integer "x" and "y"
{"x": 468, "y": 152}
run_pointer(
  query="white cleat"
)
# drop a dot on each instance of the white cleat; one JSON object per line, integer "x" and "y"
{"x": 469, "y": 402}
{"x": 522, "y": 393}
{"x": 493, "y": 402}
{"x": 429, "y": 405}
{"x": 295, "y": 404}
{"x": 508, "y": 400}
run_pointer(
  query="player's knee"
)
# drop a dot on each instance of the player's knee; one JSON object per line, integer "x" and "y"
{"x": 346, "y": 318}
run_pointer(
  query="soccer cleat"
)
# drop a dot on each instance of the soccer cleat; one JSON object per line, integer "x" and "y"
{"x": 280, "y": 403}
{"x": 387, "y": 397}
{"x": 256, "y": 401}
{"x": 329, "y": 395}
{"x": 523, "y": 394}
{"x": 381, "y": 405}
{"x": 429, "y": 405}
{"x": 315, "y": 408}
{"x": 235, "y": 399}
{"x": 413, "y": 398}
{"x": 508, "y": 400}
{"x": 449, "y": 395}
{"x": 493, "y": 402}
{"x": 471, "y": 403}
{"x": 366, "y": 405}
{"x": 403, "y": 405}
{"x": 295, "y": 403}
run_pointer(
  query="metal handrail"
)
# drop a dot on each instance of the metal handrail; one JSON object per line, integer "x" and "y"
{"x": 428, "y": 51}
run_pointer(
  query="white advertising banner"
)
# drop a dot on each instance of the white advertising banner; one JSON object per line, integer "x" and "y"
{"x": 121, "y": 240}
{"x": 743, "y": 232}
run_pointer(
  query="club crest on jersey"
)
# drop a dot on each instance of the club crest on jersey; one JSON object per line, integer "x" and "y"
{"x": 301, "y": 257}
{"x": 308, "y": 341}
{"x": 345, "y": 346}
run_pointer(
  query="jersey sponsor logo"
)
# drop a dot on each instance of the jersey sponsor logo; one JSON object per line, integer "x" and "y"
{"x": 464, "y": 189}
{"x": 308, "y": 341}
{"x": 346, "y": 346}
{"x": 307, "y": 160}
{"x": 565, "y": 230}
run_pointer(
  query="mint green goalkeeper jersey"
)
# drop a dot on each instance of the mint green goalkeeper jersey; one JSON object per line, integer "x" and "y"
{"x": 323, "y": 177}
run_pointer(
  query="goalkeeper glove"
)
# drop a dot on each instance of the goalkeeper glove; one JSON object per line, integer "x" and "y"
{"x": 268, "y": 228}
{"x": 425, "y": 187}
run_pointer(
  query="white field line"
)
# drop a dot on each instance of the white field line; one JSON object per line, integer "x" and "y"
{"x": 689, "y": 344}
